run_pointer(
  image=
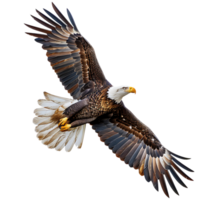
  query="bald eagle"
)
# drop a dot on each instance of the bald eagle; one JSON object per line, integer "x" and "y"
{"x": 61, "y": 122}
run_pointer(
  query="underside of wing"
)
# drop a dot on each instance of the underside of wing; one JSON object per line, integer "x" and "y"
{"x": 71, "y": 56}
{"x": 137, "y": 146}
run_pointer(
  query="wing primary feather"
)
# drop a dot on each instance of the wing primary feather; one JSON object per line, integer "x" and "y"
{"x": 38, "y": 35}
{"x": 179, "y": 156}
{"x": 42, "y": 22}
{"x": 180, "y": 171}
{"x": 177, "y": 177}
{"x": 61, "y": 16}
{"x": 71, "y": 18}
{"x": 181, "y": 165}
{"x": 155, "y": 182}
{"x": 47, "y": 19}
{"x": 163, "y": 185}
{"x": 54, "y": 18}
{"x": 171, "y": 183}
{"x": 38, "y": 29}
{"x": 156, "y": 186}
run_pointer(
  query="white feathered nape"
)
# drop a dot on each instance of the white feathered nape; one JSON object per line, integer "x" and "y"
{"x": 117, "y": 93}
{"x": 48, "y": 130}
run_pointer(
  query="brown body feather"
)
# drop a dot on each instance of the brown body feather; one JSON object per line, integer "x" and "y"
{"x": 99, "y": 104}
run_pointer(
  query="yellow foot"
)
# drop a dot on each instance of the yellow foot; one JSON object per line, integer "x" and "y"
{"x": 63, "y": 121}
{"x": 65, "y": 127}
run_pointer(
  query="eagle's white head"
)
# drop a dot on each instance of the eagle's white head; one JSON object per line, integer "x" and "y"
{"x": 117, "y": 93}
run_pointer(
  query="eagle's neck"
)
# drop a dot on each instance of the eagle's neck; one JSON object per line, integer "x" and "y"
{"x": 116, "y": 94}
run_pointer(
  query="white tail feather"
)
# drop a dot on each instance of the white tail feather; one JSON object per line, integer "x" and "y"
{"x": 48, "y": 104}
{"x": 48, "y": 130}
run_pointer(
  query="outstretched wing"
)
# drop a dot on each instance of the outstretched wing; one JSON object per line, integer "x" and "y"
{"x": 70, "y": 55}
{"x": 136, "y": 145}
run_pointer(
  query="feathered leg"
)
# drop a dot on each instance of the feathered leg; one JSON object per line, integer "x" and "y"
{"x": 71, "y": 111}
{"x": 82, "y": 121}
{"x": 76, "y": 123}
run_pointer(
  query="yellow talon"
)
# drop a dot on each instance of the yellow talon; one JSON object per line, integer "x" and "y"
{"x": 65, "y": 127}
{"x": 63, "y": 121}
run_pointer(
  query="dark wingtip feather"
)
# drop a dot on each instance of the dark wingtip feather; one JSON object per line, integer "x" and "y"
{"x": 72, "y": 20}
{"x": 181, "y": 165}
{"x": 170, "y": 181}
{"x": 163, "y": 184}
{"x": 62, "y": 16}
{"x": 180, "y": 171}
{"x": 177, "y": 177}
{"x": 179, "y": 156}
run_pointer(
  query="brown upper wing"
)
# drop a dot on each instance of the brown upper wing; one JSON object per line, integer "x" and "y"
{"x": 136, "y": 145}
{"x": 70, "y": 55}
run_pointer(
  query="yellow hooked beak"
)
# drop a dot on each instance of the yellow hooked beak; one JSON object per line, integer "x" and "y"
{"x": 131, "y": 90}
